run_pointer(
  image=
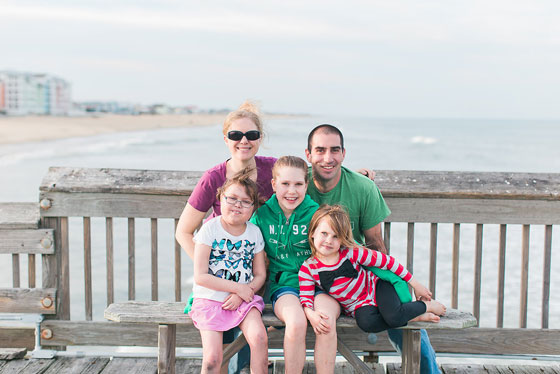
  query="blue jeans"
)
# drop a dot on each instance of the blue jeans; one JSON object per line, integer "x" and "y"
{"x": 428, "y": 364}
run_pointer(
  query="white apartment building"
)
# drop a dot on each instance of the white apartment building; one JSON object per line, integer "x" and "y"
{"x": 23, "y": 93}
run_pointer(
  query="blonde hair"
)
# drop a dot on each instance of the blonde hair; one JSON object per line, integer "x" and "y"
{"x": 339, "y": 222}
{"x": 290, "y": 161}
{"x": 248, "y": 110}
{"x": 243, "y": 179}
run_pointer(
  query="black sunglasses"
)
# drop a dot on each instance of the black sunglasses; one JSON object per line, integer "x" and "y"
{"x": 238, "y": 135}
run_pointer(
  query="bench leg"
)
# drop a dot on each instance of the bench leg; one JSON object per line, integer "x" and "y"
{"x": 411, "y": 352}
{"x": 233, "y": 348}
{"x": 358, "y": 365}
{"x": 166, "y": 349}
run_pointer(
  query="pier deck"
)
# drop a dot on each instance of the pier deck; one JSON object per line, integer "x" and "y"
{"x": 117, "y": 365}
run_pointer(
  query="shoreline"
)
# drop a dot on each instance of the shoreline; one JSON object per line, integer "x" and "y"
{"x": 26, "y": 129}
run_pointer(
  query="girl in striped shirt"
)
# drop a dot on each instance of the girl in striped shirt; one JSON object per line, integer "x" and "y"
{"x": 335, "y": 266}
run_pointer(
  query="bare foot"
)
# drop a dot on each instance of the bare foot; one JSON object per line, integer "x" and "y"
{"x": 426, "y": 317}
{"x": 434, "y": 306}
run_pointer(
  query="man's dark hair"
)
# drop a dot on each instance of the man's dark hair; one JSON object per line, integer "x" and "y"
{"x": 327, "y": 129}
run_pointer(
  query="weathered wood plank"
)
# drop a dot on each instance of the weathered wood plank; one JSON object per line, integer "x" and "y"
{"x": 387, "y": 236}
{"x": 469, "y": 341}
{"x": 501, "y": 276}
{"x": 139, "y": 334}
{"x": 436, "y": 184}
{"x": 410, "y": 247}
{"x": 12, "y": 353}
{"x": 497, "y": 369}
{"x": 547, "y": 260}
{"x": 168, "y": 313}
{"x": 31, "y": 268}
{"x": 56, "y": 267}
{"x": 529, "y": 369}
{"x": 82, "y": 365}
{"x": 35, "y": 366}
{"x": 463, "y": 369}
{"x": 433, "y": 258}
{"x": 87, "y": 269}
{"x": 496, "y": 341}
{"x": 113, "y": 205}
{"x": 359, "y": 365}
{"x": 19, "y": 216}
{"x": 477, "y": 271}
{"x": 109, "y": 247}
{"x": 427, "y": 210}
{"x": 131, "y": 260}
{"x": 119, "y": 181}
{"x": 27, "y": 241}
{"x": 455, "y": 266}
{"x": 177, "y": 264}
{"x": 63, "y": 307}
{"x": 17, "y": 337}
{"x": 28, "y": 300}
{"x": 411, "y": 352}
{"x": 166, "y": 349}
{"x": 493, "y": 211}
{"x": 524, "y": 292}
{"x": 15, "y": 271}
{"x": 154, "y": 257}
{"x": 119, "y": 365}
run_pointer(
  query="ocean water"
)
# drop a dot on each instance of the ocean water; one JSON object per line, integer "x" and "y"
{"x": 406, "y": 144}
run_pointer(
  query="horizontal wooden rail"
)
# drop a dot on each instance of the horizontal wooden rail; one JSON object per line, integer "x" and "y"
{"x": 36, "y": 241}
{"x": 28, "y": 300}
{"x": 19, "y": 216}
{"x": 470, "y": 341}
{"x": 495, "y": 211}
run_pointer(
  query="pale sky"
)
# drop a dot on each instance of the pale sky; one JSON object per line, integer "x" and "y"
{"x": 440, "y": 58}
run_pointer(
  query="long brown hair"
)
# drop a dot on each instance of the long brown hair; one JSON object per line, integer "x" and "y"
{"x": 338, "y": 221}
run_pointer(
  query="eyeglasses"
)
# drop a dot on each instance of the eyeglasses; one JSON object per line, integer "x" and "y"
{"x": 233, "y": 201}
{"x": 238, "y": 135}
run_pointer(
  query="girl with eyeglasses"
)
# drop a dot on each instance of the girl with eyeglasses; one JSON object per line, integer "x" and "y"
{"x": 229, "y": 260}
{"x": 243, "y": 134}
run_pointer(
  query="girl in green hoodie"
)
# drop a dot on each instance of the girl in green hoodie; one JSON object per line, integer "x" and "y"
{"x": 284, "y": 221}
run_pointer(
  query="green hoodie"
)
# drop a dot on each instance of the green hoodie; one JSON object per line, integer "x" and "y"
{"x": 286, "y": 243}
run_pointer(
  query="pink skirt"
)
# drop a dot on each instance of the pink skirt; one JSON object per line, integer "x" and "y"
{"x": 209, "y": 315}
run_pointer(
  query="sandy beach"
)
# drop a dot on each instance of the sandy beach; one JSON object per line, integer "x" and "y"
{"x": 41, "y": 128}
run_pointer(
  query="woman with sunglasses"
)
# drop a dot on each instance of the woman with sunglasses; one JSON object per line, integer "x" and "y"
{"x": 243, "y": 133}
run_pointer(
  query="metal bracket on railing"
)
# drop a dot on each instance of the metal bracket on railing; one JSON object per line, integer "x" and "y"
{"x": 39, "y": 352}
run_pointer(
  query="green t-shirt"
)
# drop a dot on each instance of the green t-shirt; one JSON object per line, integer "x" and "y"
{"x": 359, "y": 195}
{"x": 366, "y": 208}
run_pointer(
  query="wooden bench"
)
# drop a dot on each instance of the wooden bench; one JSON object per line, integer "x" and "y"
{"x": 170, "y": 314}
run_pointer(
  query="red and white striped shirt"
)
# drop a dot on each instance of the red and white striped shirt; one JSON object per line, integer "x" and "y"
{"x": 351, "y": 293}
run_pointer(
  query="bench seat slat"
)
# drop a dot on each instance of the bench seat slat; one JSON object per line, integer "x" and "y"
{"x": 172, "y": 313}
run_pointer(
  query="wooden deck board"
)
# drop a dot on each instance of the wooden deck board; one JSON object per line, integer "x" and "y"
{"x": 68, "y": 365}
{"x": 463, "y": 369}
{"x": 497, "y": 369}
{"x": 120, "y": 365}
{"x": 37, "y": 366}
{"x": 97, "y": 365}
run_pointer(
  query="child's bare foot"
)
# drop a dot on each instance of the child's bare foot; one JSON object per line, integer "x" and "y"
{"x": 426, "y": 317}
{"x": 434, "y": 306}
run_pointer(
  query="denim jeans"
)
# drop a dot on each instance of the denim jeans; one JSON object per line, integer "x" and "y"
{"x": 428, "y": 364}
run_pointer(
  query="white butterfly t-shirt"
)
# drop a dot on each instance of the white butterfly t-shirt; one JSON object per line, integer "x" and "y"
{"x": 231, "y": 256}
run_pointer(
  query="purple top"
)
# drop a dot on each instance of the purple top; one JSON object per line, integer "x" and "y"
{"x": 203, "y": 196}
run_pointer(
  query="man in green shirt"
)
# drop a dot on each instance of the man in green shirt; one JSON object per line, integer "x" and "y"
{"x": 331, "y": 183}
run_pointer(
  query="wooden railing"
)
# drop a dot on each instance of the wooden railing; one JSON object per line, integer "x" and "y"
{"x": 446, "y": 201}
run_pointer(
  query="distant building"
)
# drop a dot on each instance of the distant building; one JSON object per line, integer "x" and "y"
{"x": 23, "y": 93}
